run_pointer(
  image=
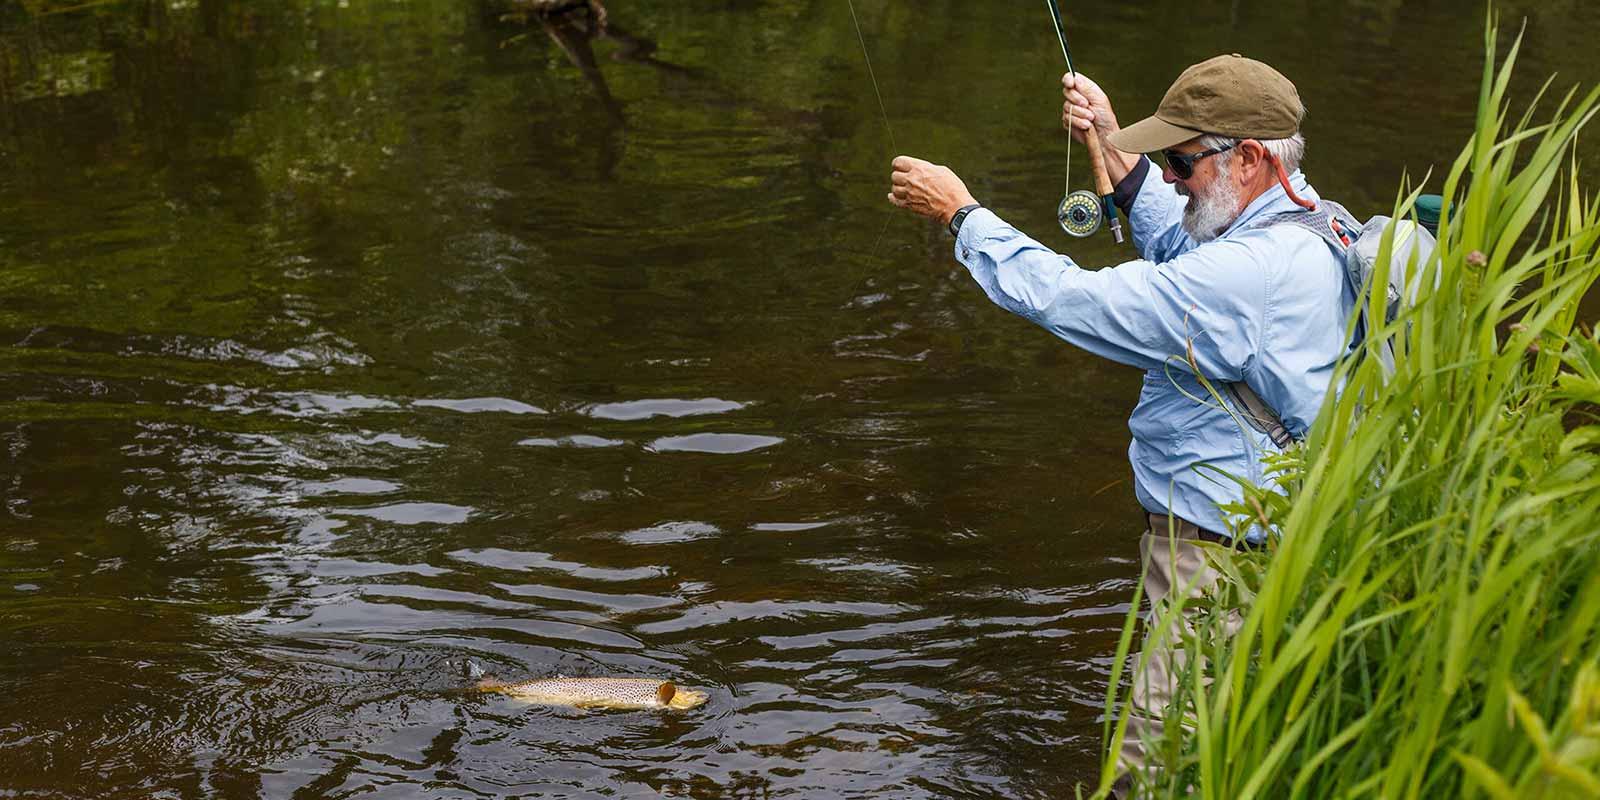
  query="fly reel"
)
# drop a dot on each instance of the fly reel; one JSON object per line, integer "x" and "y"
{"x": 1080, "y": 214}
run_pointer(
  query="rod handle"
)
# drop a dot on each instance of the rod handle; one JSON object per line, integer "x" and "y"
{"x": 1097, "y": 162}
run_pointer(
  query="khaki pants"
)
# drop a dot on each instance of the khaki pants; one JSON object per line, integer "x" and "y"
{"x": 1175, "y": 566}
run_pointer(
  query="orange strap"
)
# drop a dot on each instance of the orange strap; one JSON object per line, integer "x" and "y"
{"x": 1283, "y": 179}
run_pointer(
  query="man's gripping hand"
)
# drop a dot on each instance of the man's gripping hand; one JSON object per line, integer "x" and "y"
{"x": 1086, "y": 105}
{"x": 930, "y": 190}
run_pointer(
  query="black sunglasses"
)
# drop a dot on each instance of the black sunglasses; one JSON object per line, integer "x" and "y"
{"x": 1183, "y": 165}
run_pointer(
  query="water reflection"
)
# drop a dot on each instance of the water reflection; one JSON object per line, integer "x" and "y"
{"x": 349, "y": 486}
{"x": 713, "y": 443}
{"x": 478, "y": 405}
{"x": 667, "y": 407}
{"x": 413, "y": 513}
{"x": 575, "y": 26}
{"x": 578, "y": 441}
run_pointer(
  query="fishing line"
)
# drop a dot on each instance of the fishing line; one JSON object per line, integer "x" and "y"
{"x": 872, "y": 75}
{"x": 1083, "y": 212}
{"x": 1071, "y": 115}
{"x": 888, "y": 216}
{"x": 893, "y": 146}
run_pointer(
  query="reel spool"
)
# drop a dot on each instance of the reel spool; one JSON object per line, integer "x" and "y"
{"x": 1080, "y": 214}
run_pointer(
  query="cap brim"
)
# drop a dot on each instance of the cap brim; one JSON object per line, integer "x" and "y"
{"x": 1150, "y": 135}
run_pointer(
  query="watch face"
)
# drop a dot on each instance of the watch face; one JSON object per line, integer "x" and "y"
{"x": 960, "y": 217}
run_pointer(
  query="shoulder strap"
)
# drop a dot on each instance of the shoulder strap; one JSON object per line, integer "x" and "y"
{"x": 1258, "y": 414}
{"x": 1330, "y": 221}
{"x": 1334, "y": 225}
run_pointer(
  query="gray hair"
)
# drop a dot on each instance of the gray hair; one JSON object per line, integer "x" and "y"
{"x": 1289, "y": 151}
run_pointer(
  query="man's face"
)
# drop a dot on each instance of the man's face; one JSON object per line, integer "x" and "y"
{"x": 1213, "y": 195}
{"x": 1204, "y": 171}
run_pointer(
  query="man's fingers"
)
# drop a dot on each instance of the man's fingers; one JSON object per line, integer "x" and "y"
{"x": 900, "y": 178}
{"x": 905, "y": 163}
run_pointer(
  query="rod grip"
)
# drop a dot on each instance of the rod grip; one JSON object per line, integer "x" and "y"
{"x": 1097, "y": 162}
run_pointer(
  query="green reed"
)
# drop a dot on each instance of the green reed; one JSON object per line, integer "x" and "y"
{"x": 1428, "y": 623}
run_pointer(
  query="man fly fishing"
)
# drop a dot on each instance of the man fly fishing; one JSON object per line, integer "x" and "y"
{"x": 1221, "y": 290}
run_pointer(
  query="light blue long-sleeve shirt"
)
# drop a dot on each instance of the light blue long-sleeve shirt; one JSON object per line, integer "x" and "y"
{"x": 1265, "y": 306}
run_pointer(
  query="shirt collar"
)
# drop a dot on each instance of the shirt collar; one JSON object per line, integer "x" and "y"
{"x": 1275, "y": 201}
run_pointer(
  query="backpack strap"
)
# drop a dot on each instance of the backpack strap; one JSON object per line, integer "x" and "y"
{"x": 1334, "y": 225}
{"x": 1259, "y": 415}
{"x": 1330, "y": 221}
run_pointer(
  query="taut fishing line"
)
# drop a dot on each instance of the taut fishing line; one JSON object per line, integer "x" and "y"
{"x": 893, "y": 146}
{"x": 872, "y": 75}
{"x": 1079, "y": 213}
{"x": 888, "y": 217}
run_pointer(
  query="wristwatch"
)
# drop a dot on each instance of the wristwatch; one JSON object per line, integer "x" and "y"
{"x": 960, "y": 217}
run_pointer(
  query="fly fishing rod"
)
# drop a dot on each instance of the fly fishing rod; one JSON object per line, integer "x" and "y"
{"x": 1082, "y": 212}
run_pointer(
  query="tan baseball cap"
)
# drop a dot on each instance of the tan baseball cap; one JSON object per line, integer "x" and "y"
{"x": 1228, "y": 95}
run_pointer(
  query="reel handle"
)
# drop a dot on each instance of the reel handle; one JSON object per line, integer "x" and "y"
{"x": 1102, "y": 181}
{"x": 1097, "y": 162}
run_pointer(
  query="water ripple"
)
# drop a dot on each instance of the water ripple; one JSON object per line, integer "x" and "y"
{"x": 644, "y": 409}
{"x": 722, "y": 612}
{"x": 412, "y": 513}
{"x": 349, "y": 486}
{"x": 480, "y": 405}
{"x": 524, "y": 561}
{"x": 721, "y": 443}
{"x": 669, "y": 533}
{"x": 579, "y": 441}
{"x": 617, "y": 603}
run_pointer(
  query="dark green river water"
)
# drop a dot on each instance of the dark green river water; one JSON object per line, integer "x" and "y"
{"x": 344, "y": 344}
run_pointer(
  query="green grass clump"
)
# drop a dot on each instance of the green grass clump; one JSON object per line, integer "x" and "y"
{"x": 1428, "y": 623}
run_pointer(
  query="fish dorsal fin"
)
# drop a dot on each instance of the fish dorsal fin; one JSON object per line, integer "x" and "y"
{"x": 665, "y": 692}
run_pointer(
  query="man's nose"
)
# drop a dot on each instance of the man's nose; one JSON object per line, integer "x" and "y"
{"x": 1168, "y": 175}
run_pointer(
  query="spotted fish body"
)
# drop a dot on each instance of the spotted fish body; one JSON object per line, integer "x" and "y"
{"x": 616, "y": 693}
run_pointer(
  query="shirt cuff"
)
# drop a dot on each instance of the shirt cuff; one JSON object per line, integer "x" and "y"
{"x": 974, "y": 230}
{"x": 1128, "y": 188}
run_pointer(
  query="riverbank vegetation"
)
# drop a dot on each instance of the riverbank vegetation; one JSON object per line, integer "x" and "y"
{"x": 1428, "y": 623}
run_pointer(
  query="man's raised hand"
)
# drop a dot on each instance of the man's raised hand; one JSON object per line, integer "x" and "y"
{"x": 927, "y": 189}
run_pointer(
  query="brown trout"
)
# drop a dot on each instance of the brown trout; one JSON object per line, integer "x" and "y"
{"x": 615, "y": 693}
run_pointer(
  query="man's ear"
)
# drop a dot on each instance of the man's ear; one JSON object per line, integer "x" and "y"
{"x": 1253, "y": 161}
{"x": 1252, "y": 155}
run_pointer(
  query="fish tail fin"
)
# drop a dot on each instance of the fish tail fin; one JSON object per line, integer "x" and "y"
{"x": 664, "y": 692}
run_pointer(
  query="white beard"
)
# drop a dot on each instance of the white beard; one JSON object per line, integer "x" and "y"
{"x": 1207, "y": 216}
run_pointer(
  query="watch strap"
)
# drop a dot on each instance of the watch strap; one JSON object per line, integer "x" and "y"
{"x": 961, "y": 216}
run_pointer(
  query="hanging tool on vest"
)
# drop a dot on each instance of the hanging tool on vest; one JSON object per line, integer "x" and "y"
{"x": 1082, "y": 212}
